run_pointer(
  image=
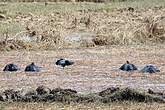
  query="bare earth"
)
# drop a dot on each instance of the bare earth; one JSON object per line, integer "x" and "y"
{"x": 95, "y": 69}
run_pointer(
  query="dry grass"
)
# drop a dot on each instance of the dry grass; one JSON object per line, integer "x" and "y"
{"x": 97, "y": 1}
{"x": 110, "y": 24}
{"x": 59, "y": 106}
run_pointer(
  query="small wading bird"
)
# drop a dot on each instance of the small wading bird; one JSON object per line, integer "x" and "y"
{"x": 11, "y": 67}
{"x": 150, "y": 69}
{"x": 32, "y": 68}
{"x": 128, "y": 67}
{"x": 63, "y": 62}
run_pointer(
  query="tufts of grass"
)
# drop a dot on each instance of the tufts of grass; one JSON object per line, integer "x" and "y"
{"x": 128, "y": 94}
{"x": 89, "y": 106}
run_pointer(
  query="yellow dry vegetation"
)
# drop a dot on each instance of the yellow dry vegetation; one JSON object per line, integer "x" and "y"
{"x": 47, "y": 26}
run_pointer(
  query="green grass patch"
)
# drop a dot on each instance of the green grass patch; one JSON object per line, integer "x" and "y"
{"x": 60, "y": 106}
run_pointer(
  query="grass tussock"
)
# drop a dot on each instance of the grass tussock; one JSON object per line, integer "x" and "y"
{"x": 45, "y": 94}
{"x": 111, "y": 97}
{"x": 14, "y": 45}
{"x": 128, "y": 94}
{"x": 102, "y": 40}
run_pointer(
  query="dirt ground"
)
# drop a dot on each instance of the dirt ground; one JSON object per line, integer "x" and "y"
{"x": 95, "y": 69}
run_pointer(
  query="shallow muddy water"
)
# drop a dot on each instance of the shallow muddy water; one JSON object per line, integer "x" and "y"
{"x": 95, "y": 69}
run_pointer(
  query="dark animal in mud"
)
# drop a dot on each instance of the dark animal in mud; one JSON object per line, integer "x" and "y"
{"x": 150, "y": 69}
{"x": 32, "y": 68}
{"x": 11, "y": 67}
{"x": 63, "y": 62}
{"x": 128, "y": 67}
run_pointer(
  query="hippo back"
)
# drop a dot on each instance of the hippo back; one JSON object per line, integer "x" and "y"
{"x": 11, "y": 67}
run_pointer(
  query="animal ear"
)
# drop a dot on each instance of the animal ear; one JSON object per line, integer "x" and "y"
{"x": 127, "y": 62}
{"x": 32, "y": 63}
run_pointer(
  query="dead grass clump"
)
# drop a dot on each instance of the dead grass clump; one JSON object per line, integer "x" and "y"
{"x": 2, "y": 16}
{"x": 156, "y": 29}
{"x": 101, "y": 40}
{"x": 108, "y": 91}
{"x": 87, "y": 43}
{"x": 14, "y": 45}
{"x": 50, "y": 36}
{"x": 151, "y": 31}
{"x": 45, "y": 94}
{"x": 23, "y": 45}
{"x": 138, "y": 27}
{"x": 128, "y": 94}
